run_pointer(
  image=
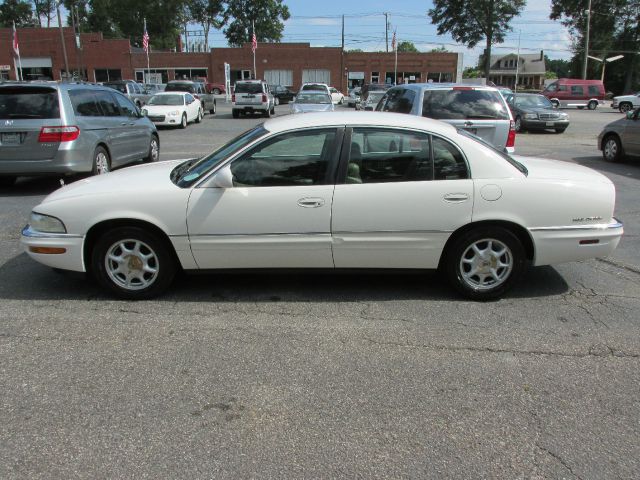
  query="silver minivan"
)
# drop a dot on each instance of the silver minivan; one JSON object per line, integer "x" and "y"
{"x": 477, "y": 109}
{"x": 53, "y": 128}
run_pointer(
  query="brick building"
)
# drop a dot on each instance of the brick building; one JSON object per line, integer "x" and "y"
{"x": 288, "y": 64}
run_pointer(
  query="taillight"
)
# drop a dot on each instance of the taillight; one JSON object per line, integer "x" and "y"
{"x": 58, "y": 134}
{"x": 233, "y": 98}
{"x": 511, "y": 139}
{"x": 264, "y": 98}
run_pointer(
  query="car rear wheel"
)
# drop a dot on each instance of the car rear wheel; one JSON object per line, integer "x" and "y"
{"x": 101, "y": 162}
{"x": 276, "y": 101}
{"x": 518, "y": 124}
{"x": 199, "y": 116}
{"x": 235, "y": 113}
{"x": 133, "y": 263}
{"x": 484, "y": 263}
{"x": 612, "y": 149}
{"x": 267, "y": 113}
{"x": 625, "y": 107}
{"x": 183, "y": 122}
{"x": 592, "y": 105}
{"x": 154, "y": 150}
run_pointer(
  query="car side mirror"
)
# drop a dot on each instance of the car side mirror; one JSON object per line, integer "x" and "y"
{"x": 630, "y": 114}
{"x": 223, "y": 178}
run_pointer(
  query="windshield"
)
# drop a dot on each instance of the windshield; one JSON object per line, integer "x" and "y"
{"x": 532, "y": 101}
{"x": 322, "y": 98}
{"x": 187, "y": 173}
{"x": 315, "y": 86}
{"x": 504, "y": 155}
{"x": 166, "y": 100}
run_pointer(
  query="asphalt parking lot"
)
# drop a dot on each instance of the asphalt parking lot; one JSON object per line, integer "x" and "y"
{"x": 318, "y": 376}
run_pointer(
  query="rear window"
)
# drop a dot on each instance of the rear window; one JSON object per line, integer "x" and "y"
{"x": 248, "y": 88}
{"x": 464, "y": 104}
{"x": 29, "y": 102}
{"x": 180, "y": 87}
{"x": 121, "y": 87}
{"x": 315, "y": 87}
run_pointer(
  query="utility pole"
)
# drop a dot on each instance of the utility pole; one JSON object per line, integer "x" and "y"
{"x": 342, "y": 59}
{"x": 386, "y": 29}
{"x": 64, "y": 47}
{"x": 515, "y": 86}
{"x": 586, "y": 44}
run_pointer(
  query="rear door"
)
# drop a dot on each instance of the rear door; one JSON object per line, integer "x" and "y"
{"x": 24, "y": 110}
{"x": 135, "y": 134}
{"x": 481, "y": 112}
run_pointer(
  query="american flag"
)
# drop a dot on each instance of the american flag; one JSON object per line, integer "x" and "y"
{"x": 145, "y": 38}
{"x": 393, "y": 41}
{"x": 254, "y": 42}
{"x": 16, "y": 47}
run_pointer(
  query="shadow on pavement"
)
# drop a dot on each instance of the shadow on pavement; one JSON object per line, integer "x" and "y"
{"x": 23, "y": 279}
{"x": 628, "y": 167}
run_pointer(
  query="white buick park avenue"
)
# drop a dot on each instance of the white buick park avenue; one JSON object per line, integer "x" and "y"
{"x": 344, "y": 190}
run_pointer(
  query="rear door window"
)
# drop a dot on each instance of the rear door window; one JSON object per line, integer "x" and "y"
{"x": 107, "y": 104}
{"x": 126, "y": 106}
{"x": 594, "y": 91}
{"x": 398, "y": 101}
{"x": 29, "y": 103}
{"x": 577, "y": 90}
{"x": 461, "y": 104}
{"x": 85, "y": 103}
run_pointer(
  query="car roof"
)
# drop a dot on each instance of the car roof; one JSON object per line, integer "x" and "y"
{"x": 172, "y": 93}
{"x": 56, "y": 85}
{"x": 368, "y": 119}
{"x": 445, "y": 86}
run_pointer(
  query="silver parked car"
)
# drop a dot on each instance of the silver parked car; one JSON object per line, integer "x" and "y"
{"x": 621, "y": 138}
{"x": 311, "y": 101}
{"x": 477, "y": 109}
{"x": 65, "y": 129}
{"x": 133, "y": 90}
{"x": 197, "y": 89}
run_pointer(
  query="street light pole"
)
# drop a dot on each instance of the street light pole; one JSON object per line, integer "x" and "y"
{"x": 586, "y": 44}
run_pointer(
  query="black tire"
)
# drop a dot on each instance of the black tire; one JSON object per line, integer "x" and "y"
{"x": 154, "y": 150}
{"x": 612, "y": 149}
{"x": 518, "y": 124}
{"x": 560, "y": 130}
{"x": 267, "y": 113}
{"x": 216, "y": 91}
{"x": 592, "y": 105}
{"x": 7, "y": 181}
{"x": 157, "y": 255}
{"x": 235, "y": 113}
{"x": 199, "y": 116}
{"x": 581, "y": 107}
{"x": 624, "y": 107}
{"x": 458, "y": 254}
{"x": 276, "y": 101}
{"x": 101, "y": 161}
{"x": 213, "y": 110}
{"x": 184, "y": 122}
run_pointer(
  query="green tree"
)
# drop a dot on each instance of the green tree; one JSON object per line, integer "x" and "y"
{"x": 406, "y": 46}
{"x": 471, "y": 21}
{"x": 471, "y": 72}
{"x": 268, "y": 16}
{"x": 44, "y": 11}
{"x": 440, "y": 49}
{"x": 18, "y": 11}
{"x": 560, "y": 68}
{"x": 208, "y": 13}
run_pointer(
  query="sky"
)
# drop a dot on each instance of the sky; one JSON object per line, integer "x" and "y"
{"x": 320, "y": 24}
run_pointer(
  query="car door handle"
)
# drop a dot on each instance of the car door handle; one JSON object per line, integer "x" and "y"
{"x": 311, "y": 202}
{"x": 456, "y": 197}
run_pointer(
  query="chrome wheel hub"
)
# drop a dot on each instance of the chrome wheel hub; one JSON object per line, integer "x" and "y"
{"x": 610, "y": 149}
{"x": 486, "y": 264}
{"x": 102, "y": 163}
{"x": 154, "y": 150}
{"x": 131, "y": 264}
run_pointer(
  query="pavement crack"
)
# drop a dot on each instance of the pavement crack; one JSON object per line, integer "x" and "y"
{"x": 623, "y": 266}
{"x": 559, "y": 459}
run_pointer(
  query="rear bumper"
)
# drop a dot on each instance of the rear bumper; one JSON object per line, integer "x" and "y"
{"x": 562, "y": 244}
{"x": 71, "y": 259}
{"x": 251, "y": 108}
{"x": 68, "y": 161}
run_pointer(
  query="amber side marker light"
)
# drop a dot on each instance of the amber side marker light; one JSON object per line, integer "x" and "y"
{"x": 48, "y": 250}
{"x": 589, "y": 242}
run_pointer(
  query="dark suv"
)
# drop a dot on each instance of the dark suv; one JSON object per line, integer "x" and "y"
{"x": 197, "y": 89}
{"x": 68, "y": 128}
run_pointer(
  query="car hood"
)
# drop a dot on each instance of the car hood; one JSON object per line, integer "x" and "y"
{"x": 313, "y": 107}
{"x": 626, "y": 97}
{"x": 536, "y": 109}
{"x": 162, "y": 108}
{"x": 148, "y": 177}
{"x": 543, "y": 168}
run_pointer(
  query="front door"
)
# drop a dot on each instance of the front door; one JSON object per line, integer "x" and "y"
{"x": 403, "y": 195}
{"x": 135, "y": 134}
{"x": 278, "y": 214}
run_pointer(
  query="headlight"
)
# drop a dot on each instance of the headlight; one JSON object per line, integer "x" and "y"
{"x": 46, "y": 223}
{"x": 531, "y": 116}
{"x": 174, "y": 113}
{"x": 564, "y": 115}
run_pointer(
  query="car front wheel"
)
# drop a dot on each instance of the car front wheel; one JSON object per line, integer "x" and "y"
{"x": 484, "y": 263}
{"x": 592, "y": 105}
{"x": 154, "y": 150}
{"x": 133, "y": 263}
{"x": 625, "y": 107}
{"x": 183, "y": 122}
{"x": 612, "y": 149}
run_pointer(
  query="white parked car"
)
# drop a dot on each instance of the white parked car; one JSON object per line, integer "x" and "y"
{"x": 316, "y": 87}
{"x": 312, "y": 101}
{"x": 337, "y": 97}
{"x": 173, "y": 109}
{"x": 330, "y": 190}
{"x": 624, "y": 103}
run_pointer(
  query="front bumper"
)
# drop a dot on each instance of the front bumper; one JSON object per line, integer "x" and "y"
{"x": 563, "y": 244}
{"x": 71, "y": 259}
{"x": 537, "y": 124}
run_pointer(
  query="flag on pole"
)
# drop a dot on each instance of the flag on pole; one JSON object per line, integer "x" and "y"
{"x": 16, "y": 46}
{"x": 145, "y": 38}
{"x": 254, "y": 42}
{"x": 393, "y": 41}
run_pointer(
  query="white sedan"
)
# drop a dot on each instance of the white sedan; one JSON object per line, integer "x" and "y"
{"x": 337, "y": 97}
{"x": 173, "y": 109}
{"x": 330, "y": 190}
